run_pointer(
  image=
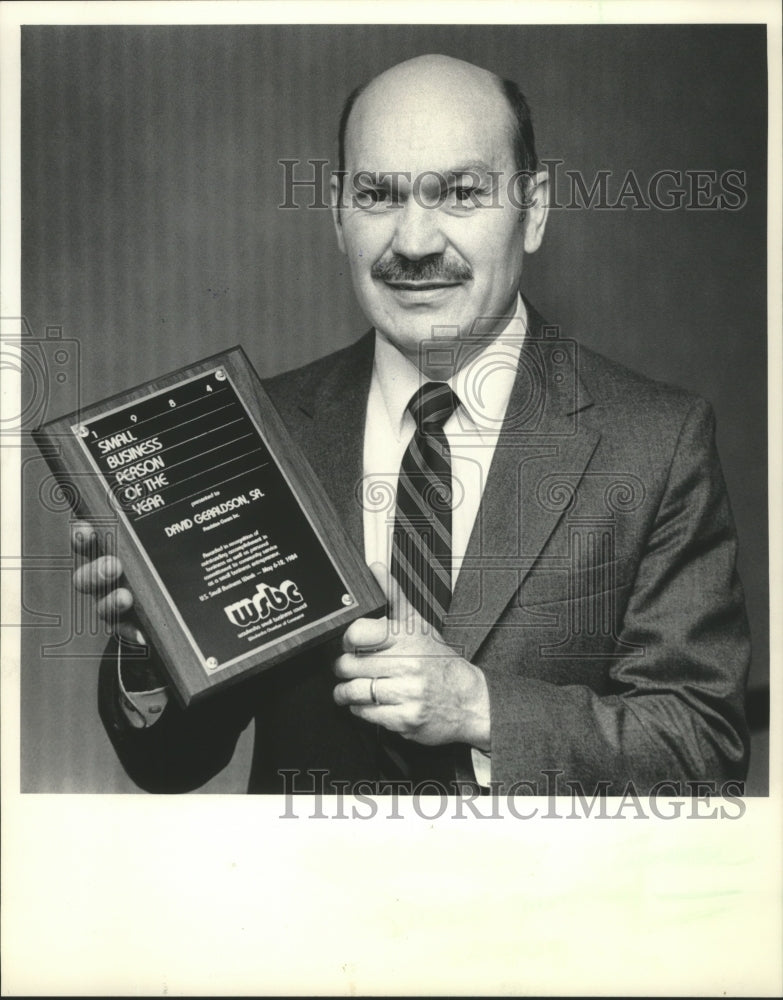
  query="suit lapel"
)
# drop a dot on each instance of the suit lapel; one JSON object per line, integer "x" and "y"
{"x": 542, "y": 436}
{"x": 334, "y": 441}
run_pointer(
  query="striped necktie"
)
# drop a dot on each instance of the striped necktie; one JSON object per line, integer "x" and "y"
{"x": 421, "y": 543}
{"x": 421, "y": 560}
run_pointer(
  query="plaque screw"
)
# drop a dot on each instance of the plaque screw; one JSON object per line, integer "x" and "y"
{"x": 212, "y": 663}
{"x": 220, "y": 375}
{"x": 347, "y": 599}
{"x": 82, "y": 431}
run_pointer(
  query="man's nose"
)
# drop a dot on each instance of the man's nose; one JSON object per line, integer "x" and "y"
{"x": 417, "y": 232}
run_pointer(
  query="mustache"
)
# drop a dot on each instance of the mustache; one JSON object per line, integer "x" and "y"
{"x": 435, "y": 267}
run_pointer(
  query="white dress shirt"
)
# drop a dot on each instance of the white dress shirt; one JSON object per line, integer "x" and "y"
{"x": 483, "y": 388}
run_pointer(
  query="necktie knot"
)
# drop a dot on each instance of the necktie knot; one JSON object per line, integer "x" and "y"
{"x": 432, "y": 405}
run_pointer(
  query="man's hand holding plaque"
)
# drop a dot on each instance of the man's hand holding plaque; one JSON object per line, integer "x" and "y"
{"x": 100, "y": 576}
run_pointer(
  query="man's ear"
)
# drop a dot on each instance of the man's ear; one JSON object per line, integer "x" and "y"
{"x": 538, "y": 210}
{"x": 335, "y": 187}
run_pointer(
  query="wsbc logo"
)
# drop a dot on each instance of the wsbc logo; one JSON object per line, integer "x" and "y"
{"x": 266, "y": 601}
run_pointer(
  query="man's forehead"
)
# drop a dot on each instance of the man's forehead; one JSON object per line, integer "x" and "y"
{"x": 430, "y": 118}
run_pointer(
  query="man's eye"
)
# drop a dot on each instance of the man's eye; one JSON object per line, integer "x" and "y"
{"x": 467, "y": 196}
{"x": 372, "y": 198}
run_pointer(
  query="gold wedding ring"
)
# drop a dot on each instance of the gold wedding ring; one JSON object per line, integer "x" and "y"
{"x": 373, "y": 695}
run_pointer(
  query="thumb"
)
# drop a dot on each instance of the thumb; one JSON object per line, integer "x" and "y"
{"x": 128, "y": 632}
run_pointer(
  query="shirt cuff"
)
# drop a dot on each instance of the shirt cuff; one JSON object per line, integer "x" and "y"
{"x": 482, "y": 766}
{"x": 141, "y": 708}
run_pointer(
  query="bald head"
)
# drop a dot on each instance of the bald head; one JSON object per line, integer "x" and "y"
{"x": 427, "y": 203}
{"x": 409, "y": 97}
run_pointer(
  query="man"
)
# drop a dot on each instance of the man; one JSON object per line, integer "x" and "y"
{"x": 556, "y": 539}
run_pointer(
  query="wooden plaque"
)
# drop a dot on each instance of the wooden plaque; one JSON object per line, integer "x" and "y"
{"x": 235, "y": 555}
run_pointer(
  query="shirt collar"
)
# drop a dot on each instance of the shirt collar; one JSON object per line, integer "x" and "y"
{"x": 483, "y": 385}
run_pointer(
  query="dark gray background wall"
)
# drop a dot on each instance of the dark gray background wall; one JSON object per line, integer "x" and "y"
{"x": 152, "y": 236}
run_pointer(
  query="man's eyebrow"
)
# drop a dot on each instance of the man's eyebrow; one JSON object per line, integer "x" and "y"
{"x": 384, "y": 178}
{"x": 474, "y": 167}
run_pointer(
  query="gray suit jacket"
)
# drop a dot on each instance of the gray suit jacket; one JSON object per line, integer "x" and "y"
{"x": 599, "y": 592}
